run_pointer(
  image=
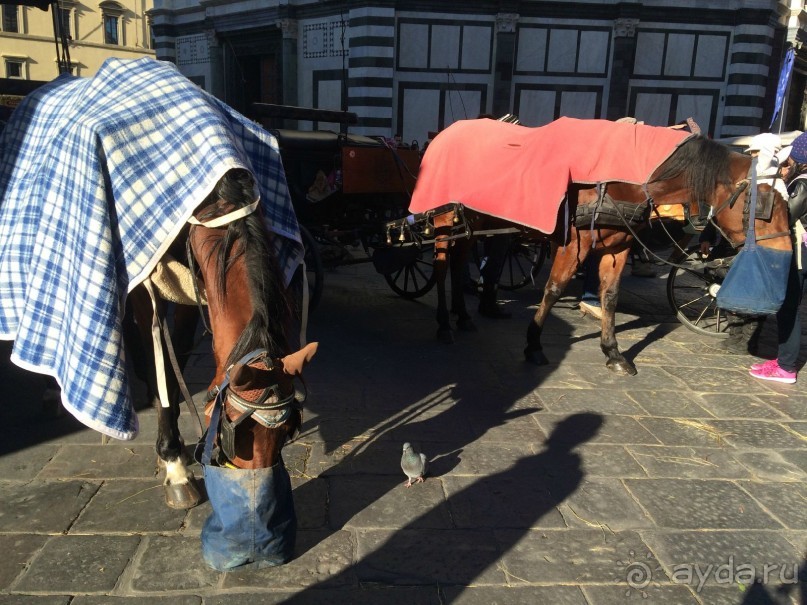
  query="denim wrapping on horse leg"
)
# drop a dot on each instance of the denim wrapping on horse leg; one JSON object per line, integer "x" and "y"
{"x": 253, "y": 519}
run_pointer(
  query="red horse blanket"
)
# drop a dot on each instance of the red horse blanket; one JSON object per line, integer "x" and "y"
{"x": 521, "y": 174}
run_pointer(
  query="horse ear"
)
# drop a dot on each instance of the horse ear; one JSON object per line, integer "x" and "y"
{"x": 293, "y": 364}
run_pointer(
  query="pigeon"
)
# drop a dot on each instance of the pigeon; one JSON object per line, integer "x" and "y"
{"x": 413, "y": 465}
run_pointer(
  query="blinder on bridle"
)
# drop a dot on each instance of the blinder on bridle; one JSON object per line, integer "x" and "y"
{"x": 250, "y": 387}
{"x": 764, "y": 206}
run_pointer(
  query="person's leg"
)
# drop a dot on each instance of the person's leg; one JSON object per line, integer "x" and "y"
{"x": 788, "y": 322}
{"x": 591, "y": 280}
{"x": 590, "y": 300}
{"x": 496, "y": 248}
{"x": 788, "y": 325}
{"x": 641, "y": 266}
{"x": 743, "y": 334}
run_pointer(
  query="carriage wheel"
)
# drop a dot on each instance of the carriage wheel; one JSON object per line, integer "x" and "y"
{"x": 692, "y": 294}
{"x": 313, "y": 267}
{"x": 415, "y": 279}
{"x": 522, "y": 263}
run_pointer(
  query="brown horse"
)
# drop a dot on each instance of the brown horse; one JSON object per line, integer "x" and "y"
{"x": 249, "y": 310}
{"x": 700, "y": 170}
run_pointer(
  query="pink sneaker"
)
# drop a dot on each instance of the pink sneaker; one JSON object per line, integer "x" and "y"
{"x": 773, "y": 372}
{"x": 764, "y": 364}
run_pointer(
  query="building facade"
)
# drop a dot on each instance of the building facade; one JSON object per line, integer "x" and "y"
{"x": 411, "y": 67}
{"x": 94, "y": 31}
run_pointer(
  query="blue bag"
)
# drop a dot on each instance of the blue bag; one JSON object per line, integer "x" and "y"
{"x": 253, "y": 521}
{"x": 757, "y": 280}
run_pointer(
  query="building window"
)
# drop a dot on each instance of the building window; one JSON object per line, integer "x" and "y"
{"x": 10, "y": 21}
{"x": 14, "y": 69}
{"x": 64, "y": 22}
{"x": 110, "y": 29}
{"x": 112, "y": 14}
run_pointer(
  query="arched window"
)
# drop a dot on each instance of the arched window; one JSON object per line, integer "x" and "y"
{"x": 111, "y": 13}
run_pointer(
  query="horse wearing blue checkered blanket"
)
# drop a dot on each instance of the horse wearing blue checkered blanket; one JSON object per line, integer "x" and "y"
{"x": 98, "y": 180}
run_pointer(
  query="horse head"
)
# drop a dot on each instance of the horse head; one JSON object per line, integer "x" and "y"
{"x": 250, "y": 317}
{"x": 704, "y": 171}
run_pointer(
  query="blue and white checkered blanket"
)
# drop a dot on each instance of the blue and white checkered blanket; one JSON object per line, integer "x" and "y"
{"x": 97, "y": 177}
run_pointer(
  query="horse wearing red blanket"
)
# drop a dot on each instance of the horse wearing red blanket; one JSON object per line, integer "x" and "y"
{"x": 559, "y": 182}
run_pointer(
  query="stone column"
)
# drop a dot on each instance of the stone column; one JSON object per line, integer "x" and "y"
{"x": 503, "y": 59}
{"x": 217, "y": 84}
{"x": 288, "y": 66}
{"x": 622, "y": 68}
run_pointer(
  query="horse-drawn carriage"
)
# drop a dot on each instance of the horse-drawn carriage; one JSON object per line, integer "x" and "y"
{"x": 348, "y": 190}
{"x": 344, "y": 189}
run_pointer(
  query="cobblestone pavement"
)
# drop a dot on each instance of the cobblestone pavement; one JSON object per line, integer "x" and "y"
{"x": 563, "y": 484}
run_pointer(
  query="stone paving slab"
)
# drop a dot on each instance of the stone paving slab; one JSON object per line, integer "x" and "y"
{"x": 111, "y": 461}
{"x": 574, "y": 556}
{"x": 604, "y": 503}
{"x": 689, "y": 462}
{"x": 546, "y": 485}
{"x": 31, "y": 507}
{"x": 128, "y": 506}
{"x": 18, "y": 599}
{"x": 698, "y": 558}
{"x": 699, "y": 504}
{"x": 426, "y": 557}
{"x": 669, "y": 403}
{"x": 787, "y": 502}
{"x": 86, "y": 564}
{"x": 501, "y": 501}
{"x": 323, "y": 559}
{"x": 654, "y": 593}
{"x": 170, "y": 563}
{"x": 768, "y": 465}
{"x": 18, "y": 550}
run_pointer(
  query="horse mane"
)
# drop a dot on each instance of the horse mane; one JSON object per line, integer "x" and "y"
{"x": 704, "y": 164}
{"x": 271, "y": 309}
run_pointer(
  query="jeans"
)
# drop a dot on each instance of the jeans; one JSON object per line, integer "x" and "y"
{"x": 591, "y": 280}
{"x": 788, "y": 321}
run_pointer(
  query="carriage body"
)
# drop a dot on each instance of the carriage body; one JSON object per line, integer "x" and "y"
{"x": 345, "y": 188}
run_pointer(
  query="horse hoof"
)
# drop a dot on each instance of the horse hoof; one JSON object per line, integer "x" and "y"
{"x": 445, "y": 336}
{"x": 535, "y": 357}
{"x": 623, "y": 367}
{"x": 466, "y": 325}
{"x": 182, "y": 495}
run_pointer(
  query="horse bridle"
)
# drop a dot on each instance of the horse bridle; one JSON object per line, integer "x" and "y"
{"x": 739, "y": 188}
{"x": 269, "y": 415}
{"x": 219, "y": 221}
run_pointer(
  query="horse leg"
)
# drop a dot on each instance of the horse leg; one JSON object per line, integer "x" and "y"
{"x": 180, "y": 489}
{"x": 442, "y": 229}
{"x": 566, "y": 261}
{"x": 611, "y": 266}
{"x": 458, "y": 262}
